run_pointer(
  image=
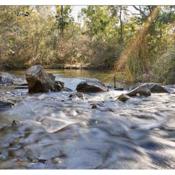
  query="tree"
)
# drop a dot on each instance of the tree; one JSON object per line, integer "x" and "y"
{"x": 119, "y": 12}
{"x": 63, "y": 17}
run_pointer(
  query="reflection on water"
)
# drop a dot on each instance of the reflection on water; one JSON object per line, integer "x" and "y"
{"x": 104, "y": 76}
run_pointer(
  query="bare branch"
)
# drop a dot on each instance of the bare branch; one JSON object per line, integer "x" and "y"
{"x": 141, "y": 11}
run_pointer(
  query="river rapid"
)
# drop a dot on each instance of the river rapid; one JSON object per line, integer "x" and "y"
{"x": 63, "y": 130}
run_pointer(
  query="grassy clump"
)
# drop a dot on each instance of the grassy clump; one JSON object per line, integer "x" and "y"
{"x": 164, "y": 68}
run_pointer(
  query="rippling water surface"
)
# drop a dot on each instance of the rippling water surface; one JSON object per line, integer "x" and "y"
{"x": 54, "y": 130}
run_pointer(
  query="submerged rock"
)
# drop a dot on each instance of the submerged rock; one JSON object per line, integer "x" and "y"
{"x": 5, "y": 105}
{"x": 67, "y": 89}
{"x": 123, "y": 98}
{"x": 76, "y": 94}
{"x": 140, "y": 91}
{"x": 40, "y": 81}
{"x": 94, "y": 106}
{"x": 6, "y": 78}
{"x": 21, "y": 87}
{"x": 119, "y": 88}
{"x": 91, "y": 86}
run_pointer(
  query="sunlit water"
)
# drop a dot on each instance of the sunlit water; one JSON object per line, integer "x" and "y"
{"x": 104, "y": 76}
{"x": 54, "y": 130}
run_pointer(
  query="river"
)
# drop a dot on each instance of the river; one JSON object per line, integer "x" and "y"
{"x": 104, "y": 76}
{"x": 54, "y": 130}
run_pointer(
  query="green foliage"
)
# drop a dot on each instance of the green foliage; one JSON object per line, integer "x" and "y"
{"x": 156, "y": 41}
{"x": 50, "y": 36}
{"x": 63, "y": 17}
{"x": 100, "y": 25}
{"x": 31, "y": 39}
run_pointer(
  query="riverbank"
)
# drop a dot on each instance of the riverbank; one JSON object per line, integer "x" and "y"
{"x": 6, "y": 67}
{"x": 77, "y": 67}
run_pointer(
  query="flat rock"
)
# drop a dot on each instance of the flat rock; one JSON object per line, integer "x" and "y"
{"x": 155, "y": 87}
{"x": 140, "y": 91}
{"x": 146, "y": 89}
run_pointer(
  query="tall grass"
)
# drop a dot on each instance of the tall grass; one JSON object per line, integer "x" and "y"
{"x": 164, "y": 68}
{"x": 133, "y": 58}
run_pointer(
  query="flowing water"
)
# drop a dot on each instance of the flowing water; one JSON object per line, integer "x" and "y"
{"x": 54, "y": 130}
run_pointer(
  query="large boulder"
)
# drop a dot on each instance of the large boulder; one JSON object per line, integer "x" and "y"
{"x": 40, "y": 81}
{"x": 6, "y": 78}
{"x": 91, "y": 86}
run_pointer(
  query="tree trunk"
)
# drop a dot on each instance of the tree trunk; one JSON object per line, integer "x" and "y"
{"x": 62, "y": 20}
{"x": 121, "y": 26}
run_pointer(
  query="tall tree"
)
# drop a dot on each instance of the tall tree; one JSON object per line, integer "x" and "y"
{"x": 63, "y": 17}
{"x": 118, "y": 12}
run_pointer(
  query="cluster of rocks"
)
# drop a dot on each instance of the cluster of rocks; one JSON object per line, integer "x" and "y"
{"x": 39, "y": 81}
{"x": 143, "y": 90}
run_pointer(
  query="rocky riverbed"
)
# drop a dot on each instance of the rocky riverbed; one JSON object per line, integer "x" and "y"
{"x": 70, "y": 129}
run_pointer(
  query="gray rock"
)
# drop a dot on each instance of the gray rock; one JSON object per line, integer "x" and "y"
{"x": 76, "y": 94}
{"x": 157, "y": 88}
{"x": 91, "y": 86}
{"x": 140, "y": 91}
{"x": 6, "y": 78}
{"x": 123, "y": 98}
{"x": 154, "y": 87}
{"x": 40, "y": 81}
